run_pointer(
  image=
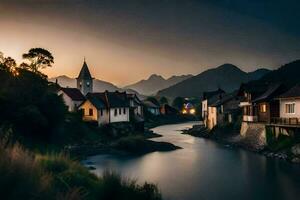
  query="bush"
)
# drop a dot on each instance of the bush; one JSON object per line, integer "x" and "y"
{"x": 25, "y": 175}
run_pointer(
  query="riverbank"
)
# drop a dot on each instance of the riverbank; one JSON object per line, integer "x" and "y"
{"x": 133, "y": 144}
{"x": 283, "y": 149}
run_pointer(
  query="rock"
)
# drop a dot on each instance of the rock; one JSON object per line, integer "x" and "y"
{"x": 296, "y": 150}
{"x": 296, "y": 160}
{"x": 91, "y": 168}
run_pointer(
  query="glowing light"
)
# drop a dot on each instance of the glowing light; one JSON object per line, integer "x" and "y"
{"x": 192, "y": 111}
{"x": 184, "y": 111}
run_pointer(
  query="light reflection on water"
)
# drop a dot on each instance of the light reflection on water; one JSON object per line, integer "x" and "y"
{"x": 204, "y": 169}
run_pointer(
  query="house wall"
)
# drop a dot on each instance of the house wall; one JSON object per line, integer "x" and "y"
{"x": 104, "y": 118}
{"x": 212, "y": 117}
{"x": 263, "y": 116}
{"x": 204, "y": 108}
{"x": 72, "y": 105}
{"x": 283, "y": 114}
{"x": 85, "y": 107}
{"x": 119, "y": 117}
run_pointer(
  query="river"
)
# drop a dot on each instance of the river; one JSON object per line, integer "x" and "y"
{"x": 205, "y": 170}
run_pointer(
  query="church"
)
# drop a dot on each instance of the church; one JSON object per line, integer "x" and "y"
{"x": 103, "y": 107}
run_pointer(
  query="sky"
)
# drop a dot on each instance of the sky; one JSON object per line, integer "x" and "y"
{"x": 124, "y": 41}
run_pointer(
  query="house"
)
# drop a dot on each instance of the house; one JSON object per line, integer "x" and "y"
{"x": 223, "y": 110}
{"x": 151, "y": 107}
{"x": 259, "y": 102}
{"x": 209, "y": 98}
{"x": 266, "y": 106}
{"x": 104, "y": 108}
{"x": 248, "y": 92}
{"x": 289, "y": 110}
{"x": 72, "y": 98}
{"x": 166, "y": 109}
{"x": 136, "y": 105}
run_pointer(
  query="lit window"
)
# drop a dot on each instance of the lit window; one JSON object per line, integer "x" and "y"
{"x": 263, "y": 108}
{"x": 290, "y": 108}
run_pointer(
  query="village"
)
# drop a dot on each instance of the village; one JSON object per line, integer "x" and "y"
{"x": 109, "y": 107}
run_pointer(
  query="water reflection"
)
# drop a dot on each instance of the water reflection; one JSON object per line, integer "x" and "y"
{"x": 206, "y": 170}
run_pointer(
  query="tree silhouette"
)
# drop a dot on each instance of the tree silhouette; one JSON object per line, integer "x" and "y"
{"x": 39, "y": 58}
{"x": 178, "y": 103}
{"x": 163, "y": 100}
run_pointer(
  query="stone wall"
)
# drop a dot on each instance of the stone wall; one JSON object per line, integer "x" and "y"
{"x": 254, "y": 134}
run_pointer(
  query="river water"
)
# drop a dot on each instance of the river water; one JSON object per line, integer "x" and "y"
{"x": 205, "y": 170}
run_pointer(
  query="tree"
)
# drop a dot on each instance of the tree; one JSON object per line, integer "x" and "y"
{"x": 153, "y": 100}
{"x": 163, "y": 100}
{"x": 178, "y": 103}
{"x": 39, "y": 58}
{"x": 7, "y": 63}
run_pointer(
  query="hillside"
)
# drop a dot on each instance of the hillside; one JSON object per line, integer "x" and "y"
{"x": 227, "y": 76}
{"x": 288, "y": 74}
{"x": 155, "y": 83}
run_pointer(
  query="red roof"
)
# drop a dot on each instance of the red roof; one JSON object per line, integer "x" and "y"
{"x": 74, "y": 94}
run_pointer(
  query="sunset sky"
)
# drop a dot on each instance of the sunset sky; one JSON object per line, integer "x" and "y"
{"x": 125, "y": 41}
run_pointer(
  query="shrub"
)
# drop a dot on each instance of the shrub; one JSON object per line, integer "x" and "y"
{"x": 25, "y": 175}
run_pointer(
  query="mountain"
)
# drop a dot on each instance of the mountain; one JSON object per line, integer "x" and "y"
{"x": 227, "y": 76}
{"x": 257, "y": 74}
{"x": 287, "y": 74}
{"x": 99, "y": 86}
{"x": 155, "y": 83}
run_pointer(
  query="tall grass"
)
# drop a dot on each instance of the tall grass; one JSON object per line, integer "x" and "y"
{"x": 24, "y": 175}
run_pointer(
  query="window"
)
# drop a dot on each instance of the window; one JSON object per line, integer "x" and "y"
{"x": 90, "y": 112}
{"x": 101, "y": 112}
{"x": 290, "y": 108}
{"x": 120, "y": 111}
{"x": 124, "y": 111}
{"x": 88, "y": 84}
{"x": 263, "y": 108}
{"x": 116, "y": 112}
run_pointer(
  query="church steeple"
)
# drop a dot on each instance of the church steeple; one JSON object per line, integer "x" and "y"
{"x": 85, "y": 80}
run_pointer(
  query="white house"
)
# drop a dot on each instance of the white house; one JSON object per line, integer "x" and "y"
{"x": 290, "y": 104}
{"x": 208, "y": 99}
{"x": 106, "y": 107}
{"x": 72, "y": 98}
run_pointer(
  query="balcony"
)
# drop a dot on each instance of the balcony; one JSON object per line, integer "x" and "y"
{"x": 286, "y": 121}
{"x": 249, "y": 118}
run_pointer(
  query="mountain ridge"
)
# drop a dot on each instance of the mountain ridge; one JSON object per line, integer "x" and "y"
{"x": 155, "y": 82}
{"x": 226, "y": 76}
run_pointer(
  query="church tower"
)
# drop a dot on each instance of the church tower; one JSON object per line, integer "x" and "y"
{"x": 85, "y": 80}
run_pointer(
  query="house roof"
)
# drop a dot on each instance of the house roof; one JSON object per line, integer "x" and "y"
{"x": 73, "y": 93}
{"x": 253, "y": 87}
{"x": 292, "y": 93}
{"x": 84, "y": 72}
{"x": 273, "y": 91}
{"x": 150, "y": 104}
{"x": 210, "y": 94}
{"x": 135, "y": 98}
{"x": 108, "y": 99}
{"x": 225, "y": 98}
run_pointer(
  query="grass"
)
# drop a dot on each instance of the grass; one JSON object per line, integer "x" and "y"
{"x": 25, "y": 175}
